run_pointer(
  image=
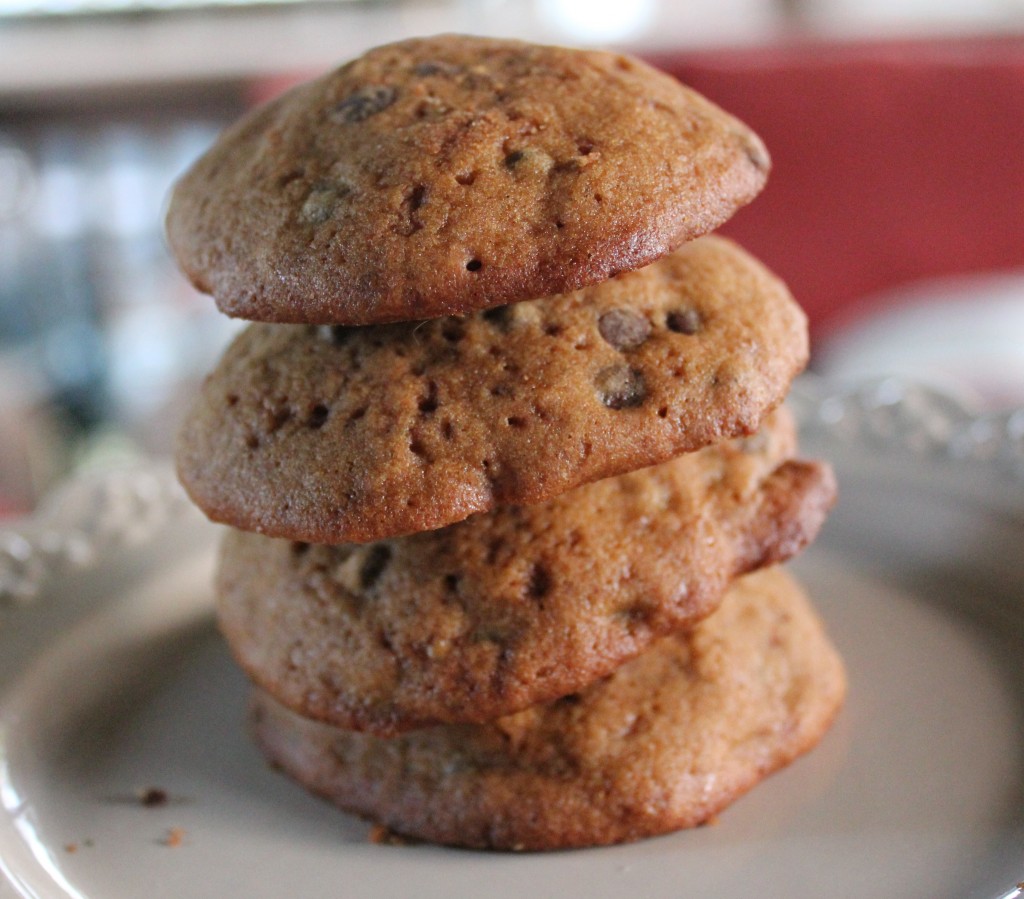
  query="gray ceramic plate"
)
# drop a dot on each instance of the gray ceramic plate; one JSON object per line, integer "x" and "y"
{"x": 112, "y": 681}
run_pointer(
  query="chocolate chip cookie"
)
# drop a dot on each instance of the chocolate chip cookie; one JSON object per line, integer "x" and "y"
{"x": 442, "y": 175}
{"x": 335, "y": 435}
{"x": 665, "y": 742}
{"x": 519, "y": 605}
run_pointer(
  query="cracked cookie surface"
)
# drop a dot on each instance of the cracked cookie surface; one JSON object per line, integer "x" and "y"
{"x": 335, "y": 435}
{"x": 441, "y": 175}
{"x": 667, "y": 741}
{"x": 519, "y": 605}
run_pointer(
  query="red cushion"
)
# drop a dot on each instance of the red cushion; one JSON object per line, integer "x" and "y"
{"x": 892, "y": 161}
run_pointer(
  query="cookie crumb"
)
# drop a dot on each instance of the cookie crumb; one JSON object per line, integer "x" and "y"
{"x": 174, "y": 837}
{"x": 363, "y": 103}
{"x": 71, "y": 848}
{"x": 151, "y": 797}
{"x": 384, "y": 836}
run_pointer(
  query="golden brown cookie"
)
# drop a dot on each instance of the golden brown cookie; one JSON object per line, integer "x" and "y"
{"x": 517, "y": 606}
{"x": 442, "y": 175}
{"x": 357, "y": 434}
{"x": 665, "y": 742}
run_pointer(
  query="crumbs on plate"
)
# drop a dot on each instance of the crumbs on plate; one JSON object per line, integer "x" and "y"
{"x": 174, "y": 837}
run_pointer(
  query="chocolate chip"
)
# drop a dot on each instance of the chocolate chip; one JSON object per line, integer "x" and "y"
{"x": 620, "y": 387}
{"x": 365, "y": 102}
{"x": 623, "y": 329}
{"x": 684, "y": 321}
{"x": 529, "y": 160}
{"x": 435, "y": 67}
{"x": 431, "y": 108}
{"x": 322, "y": 201}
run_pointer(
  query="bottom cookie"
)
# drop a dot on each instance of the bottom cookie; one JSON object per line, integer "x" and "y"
{"x": 665, "y": 742}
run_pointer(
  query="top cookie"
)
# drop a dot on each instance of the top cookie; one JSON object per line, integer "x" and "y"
{"x": 442, "y": 175}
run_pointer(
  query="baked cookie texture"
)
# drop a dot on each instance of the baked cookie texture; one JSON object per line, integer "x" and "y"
{"x": 665, "y": 742}
{"x": 520, "y": 605}
{"x": 357, "y": 434}
{"x": 441, "y": 175}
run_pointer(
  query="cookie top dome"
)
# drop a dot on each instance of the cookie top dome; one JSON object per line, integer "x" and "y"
{"x": 443, "y": 175}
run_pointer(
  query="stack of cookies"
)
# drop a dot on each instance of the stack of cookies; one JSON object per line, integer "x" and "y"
{"x": 504, "y": 453}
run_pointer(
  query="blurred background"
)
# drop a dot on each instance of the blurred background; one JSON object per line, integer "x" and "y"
{"x": 894, "y": 209}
